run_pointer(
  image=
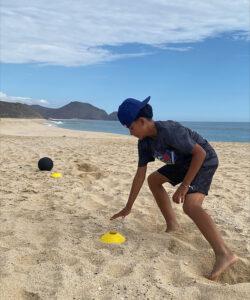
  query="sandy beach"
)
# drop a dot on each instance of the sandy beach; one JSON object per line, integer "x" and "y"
{"x": 50, "y": 228}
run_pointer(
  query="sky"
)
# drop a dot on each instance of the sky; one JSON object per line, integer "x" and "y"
{"x": 191, "y": 57}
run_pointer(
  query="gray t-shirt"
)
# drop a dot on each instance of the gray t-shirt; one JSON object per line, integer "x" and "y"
{"x": 173, "y": 145}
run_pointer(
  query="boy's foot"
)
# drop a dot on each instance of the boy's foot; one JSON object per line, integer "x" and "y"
{"x": 222, "y": 263}
{"x": 172, "y": 227}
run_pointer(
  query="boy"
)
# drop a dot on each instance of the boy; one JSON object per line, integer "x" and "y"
{"x": 189, "y": 160}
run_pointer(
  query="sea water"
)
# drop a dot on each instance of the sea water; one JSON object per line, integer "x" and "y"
{"x": 212, "y": 131}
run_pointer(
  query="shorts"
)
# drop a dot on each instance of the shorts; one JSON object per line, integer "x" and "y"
{"x": 200, "y": 184}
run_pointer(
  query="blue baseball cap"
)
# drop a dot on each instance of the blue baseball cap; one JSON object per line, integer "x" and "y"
{"x": 129, "y": 109}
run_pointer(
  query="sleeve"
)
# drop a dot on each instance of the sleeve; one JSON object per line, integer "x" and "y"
{"x": 144, "y": 154}
{"x": 179, "y": 138}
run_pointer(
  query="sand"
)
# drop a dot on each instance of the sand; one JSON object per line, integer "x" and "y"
{"x": 50, "y": 228}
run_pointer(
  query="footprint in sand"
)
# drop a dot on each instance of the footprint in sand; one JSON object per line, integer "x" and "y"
{"x": 179, "y": 247}
{"x": 6, "y": 233}
{"x": 47, "y": 256}
{"x": 238, "y": 273}
{"x": 96, "y": 259}
{"x": 118, "y": 270}
{"x": 30, "y": 296}
{"x": 88, "y": 170}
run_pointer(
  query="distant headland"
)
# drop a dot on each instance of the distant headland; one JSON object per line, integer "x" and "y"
{"x": 72, "y": 110}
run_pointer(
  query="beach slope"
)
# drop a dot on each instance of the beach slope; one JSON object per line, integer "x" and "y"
{"x": 50, "y": 228}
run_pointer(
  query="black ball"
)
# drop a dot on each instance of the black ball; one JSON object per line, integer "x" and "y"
{"x": 45, "y": 164}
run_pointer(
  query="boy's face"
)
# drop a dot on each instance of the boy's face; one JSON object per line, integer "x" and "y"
{"x": 138, "y": 128}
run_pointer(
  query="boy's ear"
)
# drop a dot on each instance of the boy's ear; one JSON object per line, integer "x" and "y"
{"x": 141, "y": 120}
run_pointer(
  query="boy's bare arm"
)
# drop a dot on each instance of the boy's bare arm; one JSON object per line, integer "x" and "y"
{"x": 136, "y": 185}
{"x": 199, "y": 155}
{"x": 135, "y": 188}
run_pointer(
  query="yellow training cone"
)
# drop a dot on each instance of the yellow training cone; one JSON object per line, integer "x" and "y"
{"x": 112, "y": 237}
{"x": 56, "y": 175}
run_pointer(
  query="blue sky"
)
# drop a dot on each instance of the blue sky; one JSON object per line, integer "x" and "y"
{"x": 192, "y": 60}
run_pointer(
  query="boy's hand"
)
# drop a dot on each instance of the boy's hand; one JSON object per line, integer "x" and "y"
{"x": 179, "y": 195}
{"x": 123, "y": 213}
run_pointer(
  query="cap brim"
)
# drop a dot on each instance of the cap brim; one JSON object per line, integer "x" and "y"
{"x": 146, "y": 100}
{"x": 144, "y": 103}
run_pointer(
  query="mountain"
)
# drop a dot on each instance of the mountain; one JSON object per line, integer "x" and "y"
{"x": 73, "y": 110}
{"x": 18, "y": 110}
{"x": 43, "y": 111}
{"x": 113, "y": 116}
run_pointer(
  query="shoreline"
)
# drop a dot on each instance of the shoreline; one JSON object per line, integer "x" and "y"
{"x": 7, "y": 127}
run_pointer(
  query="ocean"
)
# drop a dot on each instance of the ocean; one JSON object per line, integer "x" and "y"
{"x": 211, "y": 131}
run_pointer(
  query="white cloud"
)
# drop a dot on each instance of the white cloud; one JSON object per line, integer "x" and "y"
{"x": 242, "y": 35}
{"x": 73, "y": 33}
{"x": 179, "y": 49}
{"x": 24, "y": 100}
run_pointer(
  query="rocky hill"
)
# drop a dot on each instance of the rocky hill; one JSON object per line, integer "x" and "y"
{"x": 18, "y": 110}
{"x": 73, "y": 110}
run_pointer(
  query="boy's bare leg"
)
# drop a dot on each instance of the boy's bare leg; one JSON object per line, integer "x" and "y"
{"x": 224, "y": 256}
{"x": 155, "y": 181}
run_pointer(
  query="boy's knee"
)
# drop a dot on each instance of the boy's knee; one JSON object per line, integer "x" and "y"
{"x": 189, "y": 207}
{"x": 156, "y": 180}
{"x": 152, "y": 180}
{"x": 192, "y": 203}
